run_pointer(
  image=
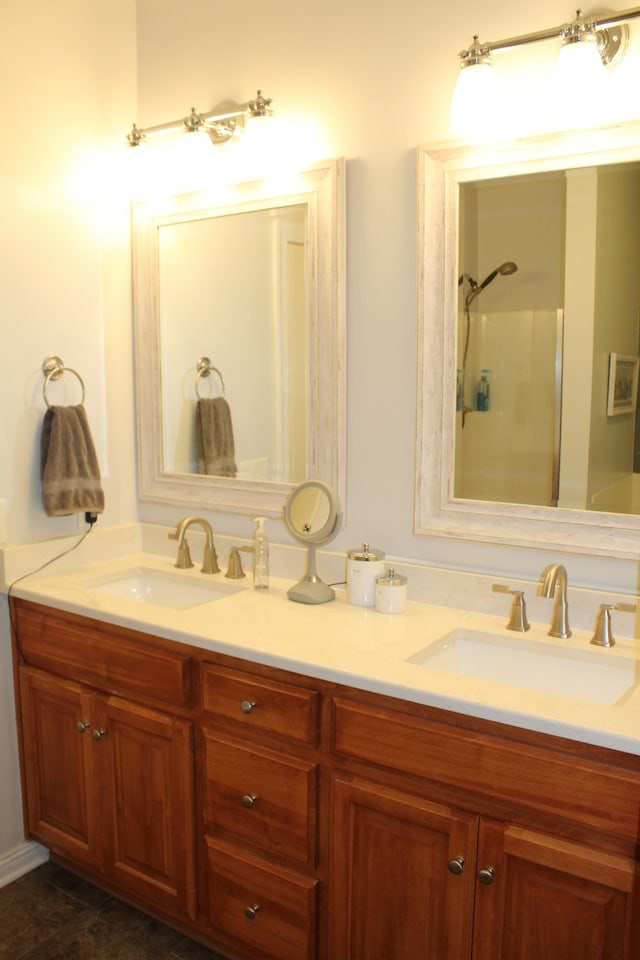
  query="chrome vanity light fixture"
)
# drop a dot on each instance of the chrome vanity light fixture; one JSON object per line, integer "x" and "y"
{"x": 588, "y": 44}
{"x": 221, "y": 124}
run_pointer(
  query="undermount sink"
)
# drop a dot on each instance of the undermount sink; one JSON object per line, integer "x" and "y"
{"x": 591, "y": 675}
{"x": 162, "y": 588}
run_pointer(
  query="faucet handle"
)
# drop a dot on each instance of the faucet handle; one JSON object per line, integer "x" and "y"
{"x": 518, "y": 613}
{"x": 625, "y": 607}
{"x": 602, "y": 634}
{"x": 234, "y": 569}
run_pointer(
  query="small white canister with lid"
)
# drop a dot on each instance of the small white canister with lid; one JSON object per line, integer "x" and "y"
{"x": 364, "y": 566}
{"x": 391, "y": 592}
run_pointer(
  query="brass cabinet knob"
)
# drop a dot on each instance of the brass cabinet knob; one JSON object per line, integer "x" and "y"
{"x": 99, "y": 734}
{"x": 249, "y": 800}
{"x": 486, "y": 876}
{"x": 252, "y": 912}
{"x": 82, "y": 725}
{"x": 456, "y": 866}
{"x": 248, "y": 706}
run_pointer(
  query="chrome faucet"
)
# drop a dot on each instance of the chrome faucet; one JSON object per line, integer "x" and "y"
{"x": 554, "y": 582}
{"x": 209, "y": 560}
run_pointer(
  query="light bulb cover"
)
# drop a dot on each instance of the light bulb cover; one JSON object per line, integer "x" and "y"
{"x": 579, "y": 84}
{"x": 474, "y": 98}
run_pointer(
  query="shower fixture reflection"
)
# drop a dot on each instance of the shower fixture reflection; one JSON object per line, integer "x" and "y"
{"x": 474, "y": 290}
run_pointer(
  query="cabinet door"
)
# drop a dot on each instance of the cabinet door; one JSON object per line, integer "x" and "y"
{"x": 58, "y": 760}
{"x": 394, "y": 895}
{"x": 148, "y": 804}
{"x": 550, "y": 899}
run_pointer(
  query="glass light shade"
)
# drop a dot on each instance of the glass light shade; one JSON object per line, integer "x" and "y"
{"x": 473, "y": 107}
{"x": 580, "y": 82}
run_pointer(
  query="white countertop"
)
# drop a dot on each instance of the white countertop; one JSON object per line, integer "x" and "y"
{"x": 351, "y": 645}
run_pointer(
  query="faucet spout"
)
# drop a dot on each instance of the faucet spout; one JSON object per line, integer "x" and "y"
{"x": 554, "y": 583}
{"x": 210, "y": 558}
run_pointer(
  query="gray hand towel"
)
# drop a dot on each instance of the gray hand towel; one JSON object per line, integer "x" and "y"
{"x": 68, "y": 464}
{"x": 215, "y": 446}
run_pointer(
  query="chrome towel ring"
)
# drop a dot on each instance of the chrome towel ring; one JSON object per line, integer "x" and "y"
{"x": 205, "y": 368}
{"x": 53, "y": 368}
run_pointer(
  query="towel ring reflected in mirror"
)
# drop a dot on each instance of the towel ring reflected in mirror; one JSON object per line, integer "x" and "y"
{"x": 204, "y": 369}
{"x": 53, "y": 369}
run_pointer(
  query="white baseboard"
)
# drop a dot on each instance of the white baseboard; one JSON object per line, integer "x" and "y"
{"x": 20, "y": 860}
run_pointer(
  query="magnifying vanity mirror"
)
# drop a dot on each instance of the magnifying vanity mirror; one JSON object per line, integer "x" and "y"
{"x": 529, "y": 316}
{"x": 240, "y": 341}
{"x": 312, "y": 515}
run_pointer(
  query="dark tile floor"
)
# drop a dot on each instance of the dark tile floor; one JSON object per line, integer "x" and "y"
{"x": 49, "y": 914}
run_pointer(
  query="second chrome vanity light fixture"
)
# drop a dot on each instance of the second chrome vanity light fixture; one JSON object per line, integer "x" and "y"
{"x": 221, "y": 124}
{"x": 588, "y": 43}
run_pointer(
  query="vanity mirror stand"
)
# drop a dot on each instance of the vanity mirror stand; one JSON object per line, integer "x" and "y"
{"x": 312, "y": 515}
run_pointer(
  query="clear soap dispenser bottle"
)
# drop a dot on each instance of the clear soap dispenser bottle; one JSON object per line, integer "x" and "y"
{"x": 483, "y": 392}
{"x": 260, "y": 555}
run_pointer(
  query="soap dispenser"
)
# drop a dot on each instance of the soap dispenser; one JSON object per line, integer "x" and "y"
{"x": 483, "y": 392}
{"x": 260, "y": 555}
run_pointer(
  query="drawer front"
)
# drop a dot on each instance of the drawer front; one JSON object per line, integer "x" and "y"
{"x": 269, "y": 909}
{"x": 118, "y": 662}
{"x": 261, "y": 797}
{"x": 542, "y": 779}
{"x": 263, "y": 705}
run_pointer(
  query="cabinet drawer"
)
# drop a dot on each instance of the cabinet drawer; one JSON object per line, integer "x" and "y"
{"x": 268, "y": 908}
{"x": 116, "y": 661}
{"x": 550, "y": 781}
{"x": 261, "y": 797}
{"x": 260, "y": 704}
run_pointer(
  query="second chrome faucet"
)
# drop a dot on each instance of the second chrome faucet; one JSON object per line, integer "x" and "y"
{"x": 554, "y": 583}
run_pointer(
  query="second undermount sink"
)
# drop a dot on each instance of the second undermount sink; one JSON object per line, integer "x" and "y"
{"x": 161, "y": 588}
{"x": 592, "y": 675}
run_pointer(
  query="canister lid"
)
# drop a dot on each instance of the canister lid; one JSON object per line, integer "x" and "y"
{"x": 391, "y": 579}
{"x": 365, "y": 552}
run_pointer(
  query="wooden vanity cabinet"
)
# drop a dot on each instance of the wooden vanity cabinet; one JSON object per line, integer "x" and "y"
{"x": 278, "y": 817}
{"x": 108, "y": 782}
{"x": 260, "y": 812}
{"x": 426, "y": 872}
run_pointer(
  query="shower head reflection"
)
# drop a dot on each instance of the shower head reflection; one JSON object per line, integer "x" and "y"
{"x": 504, "y": 270}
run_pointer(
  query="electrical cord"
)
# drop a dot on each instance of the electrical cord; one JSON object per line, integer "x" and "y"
{"x": 91, "y": 519}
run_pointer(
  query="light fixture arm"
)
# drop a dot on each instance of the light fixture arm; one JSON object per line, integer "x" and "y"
{"x": 578, "y": 28}
{"x": 220, "y": 123}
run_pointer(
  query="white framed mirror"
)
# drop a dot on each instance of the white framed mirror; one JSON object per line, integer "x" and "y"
{"x": 480, "y": 307}
{"x": 239, "y": 311}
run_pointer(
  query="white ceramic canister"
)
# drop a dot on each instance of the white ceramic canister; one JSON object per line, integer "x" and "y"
{"x": 364, "y": 566}
{"x": 391, "y": 592}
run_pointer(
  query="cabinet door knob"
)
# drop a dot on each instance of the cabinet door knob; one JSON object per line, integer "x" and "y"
{"x": 249, "y": 800}
{"x": 252, "y": 912}
{"x": 82, "y": 725}
{"x": 456, "y": 866}
{"x": 248, "y": 706}
{"x": 99, "y": 734}
{"x": 486, "y": 875}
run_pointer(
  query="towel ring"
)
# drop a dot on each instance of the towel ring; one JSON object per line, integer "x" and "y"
{"x": 53, "y": 369}
{"x": 204, "y": 369}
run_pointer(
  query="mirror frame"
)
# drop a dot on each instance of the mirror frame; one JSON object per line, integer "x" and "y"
{"x": 441, "y": 168}
{"x": 322, "y": 188}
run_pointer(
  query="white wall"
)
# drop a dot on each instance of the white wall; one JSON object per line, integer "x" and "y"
{"x": 67, "y": 94}
{"x": 616, "y": 325}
